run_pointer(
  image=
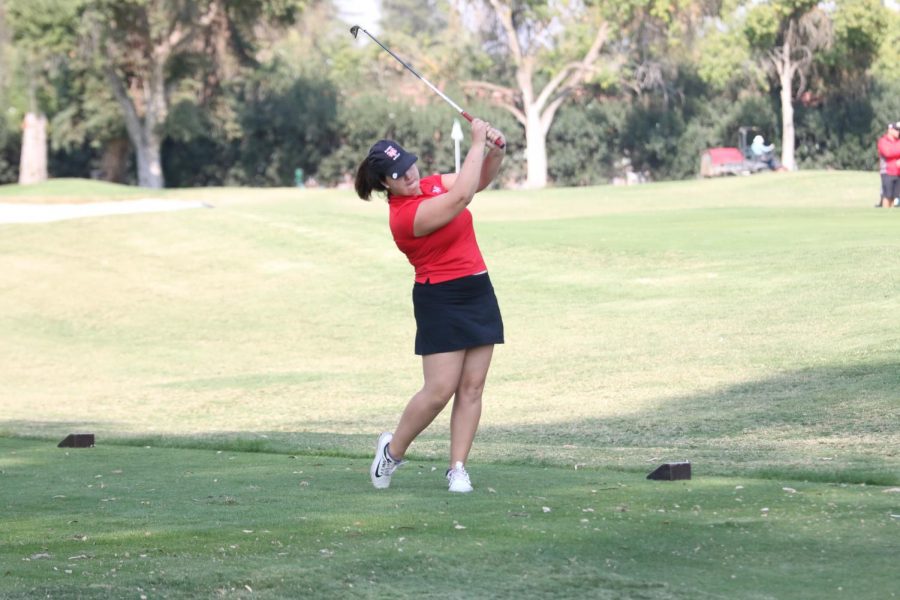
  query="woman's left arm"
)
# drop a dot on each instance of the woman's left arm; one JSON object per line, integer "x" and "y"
{"x": 491, "y": 166}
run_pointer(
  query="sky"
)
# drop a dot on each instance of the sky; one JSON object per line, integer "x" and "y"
{"x": 364, "y": 13}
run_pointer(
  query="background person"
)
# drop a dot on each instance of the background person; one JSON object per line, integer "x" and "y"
{"x": 889, "y": 166}
{"x": 763, "y": 152}
{"x": 457, "y": 315}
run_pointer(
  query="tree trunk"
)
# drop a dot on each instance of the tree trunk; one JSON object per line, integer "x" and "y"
{"x": 157, "y": 109}
{"x": 535, "y": 140}
{"x": 149, "y": 161}
{"x": 535, "y": 149}
{"x": 33, "y": 161}
{"x": 537, "y": 112}
{"x": 787, "y": 119}
{"x": 143, "y": 133}
{"x": 114, "y": 162}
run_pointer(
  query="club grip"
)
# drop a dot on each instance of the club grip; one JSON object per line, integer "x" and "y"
{"x": 469, "y": 118}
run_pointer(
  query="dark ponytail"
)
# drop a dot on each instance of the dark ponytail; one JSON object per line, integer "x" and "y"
{"x": 367, "y": 181}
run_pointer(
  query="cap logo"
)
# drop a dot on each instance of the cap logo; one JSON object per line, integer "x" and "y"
{"x": 392, "y": 153}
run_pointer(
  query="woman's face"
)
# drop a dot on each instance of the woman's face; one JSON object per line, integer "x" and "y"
{"x": 405, "y": 185}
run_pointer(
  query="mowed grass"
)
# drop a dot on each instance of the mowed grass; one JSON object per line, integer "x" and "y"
{"x": 748, "y": 325}
{"x": 744, "y": 324}
{"x": 63, "y": 190}
{"x": 119, "y": 522}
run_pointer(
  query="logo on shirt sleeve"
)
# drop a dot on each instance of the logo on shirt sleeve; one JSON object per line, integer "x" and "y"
{"x": 436, "y": 189}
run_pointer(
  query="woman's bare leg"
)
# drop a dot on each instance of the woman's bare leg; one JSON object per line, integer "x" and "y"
{"x": 442, "y": 373}
{"x": 467, "y": 403}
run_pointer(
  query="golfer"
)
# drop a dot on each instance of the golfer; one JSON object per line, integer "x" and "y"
{"x": 457, "y": 316}
{"x": 889, "y": 161}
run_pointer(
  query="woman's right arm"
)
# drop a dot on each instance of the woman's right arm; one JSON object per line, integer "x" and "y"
{"x": 436, "y": 212}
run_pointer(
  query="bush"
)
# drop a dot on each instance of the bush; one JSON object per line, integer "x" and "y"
{"x": 196, "y": 151}
{"x": 584, "y": 142}
{"x": 284, "y": 129}
{"x": 10, "y": 149}
{"x": 593, "y": 140}
{"x": 258, "y": 134}
{"x": 837, "y": 135}
{"x": 842, "y": 133}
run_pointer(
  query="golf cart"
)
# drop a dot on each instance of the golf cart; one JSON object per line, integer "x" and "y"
{"x": 715, "y": 162}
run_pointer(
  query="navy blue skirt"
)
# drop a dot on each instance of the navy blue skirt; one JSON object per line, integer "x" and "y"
{"x": 457, "y": 314}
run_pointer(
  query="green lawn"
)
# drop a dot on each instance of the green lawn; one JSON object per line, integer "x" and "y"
{"x": 120, "y": 522}
{"x": 748, "y": 325}
{"x": 72, "y": 190}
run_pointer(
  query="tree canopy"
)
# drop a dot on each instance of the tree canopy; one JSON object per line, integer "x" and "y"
{"x": 212, "y": 92}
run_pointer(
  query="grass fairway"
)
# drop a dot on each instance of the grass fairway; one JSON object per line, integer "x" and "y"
{"x": 156, "y": 523}
{"x": 56, "y": 191}
{"x": 748, "y": 325}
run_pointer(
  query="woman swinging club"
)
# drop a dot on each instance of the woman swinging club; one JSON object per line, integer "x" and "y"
{"x": 457, "y": 316}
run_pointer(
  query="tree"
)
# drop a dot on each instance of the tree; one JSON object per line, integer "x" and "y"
{"x": 844, "y": 110}
{"x": 785, "y": 36}
{"x": 51, "y": 73}
{"x": 555, "y": 48}
{"x": 425, "y": 19}
{"x": 138, "y": 43}
{"x": 808, "y": 49}
{"x": 9, "y": 150}
{"x": 41, "y": 30}
{"x": 531, "y": 36}
{"x": 860, "y": 27}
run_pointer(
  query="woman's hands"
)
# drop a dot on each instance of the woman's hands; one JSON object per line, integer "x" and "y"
{"x": 496, "y": 139}
{"x": 479, "y": 131}
{"x": 485, "y": 134}
{"x": 493, "y": 139}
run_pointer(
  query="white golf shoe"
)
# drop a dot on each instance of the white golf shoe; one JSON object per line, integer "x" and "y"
{"x": 459, "y": 479}
{"x": 383, "y": 466}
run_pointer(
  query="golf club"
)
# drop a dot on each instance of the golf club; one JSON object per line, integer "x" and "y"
{"x": 355, "y": 31}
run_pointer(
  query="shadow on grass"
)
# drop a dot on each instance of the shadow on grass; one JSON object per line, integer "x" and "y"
{"x": 836, "y": 423}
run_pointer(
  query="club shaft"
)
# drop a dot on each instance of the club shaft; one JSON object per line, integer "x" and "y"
{"x": 416, "y": 73}
{"x": 500, "y": 144}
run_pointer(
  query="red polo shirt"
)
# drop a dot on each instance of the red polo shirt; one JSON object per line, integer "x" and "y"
{"x": 447, "y": 253}
{"x": 889, "y": 152}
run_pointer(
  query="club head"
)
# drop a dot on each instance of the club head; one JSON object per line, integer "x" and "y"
{"x": 354, "y": 30}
